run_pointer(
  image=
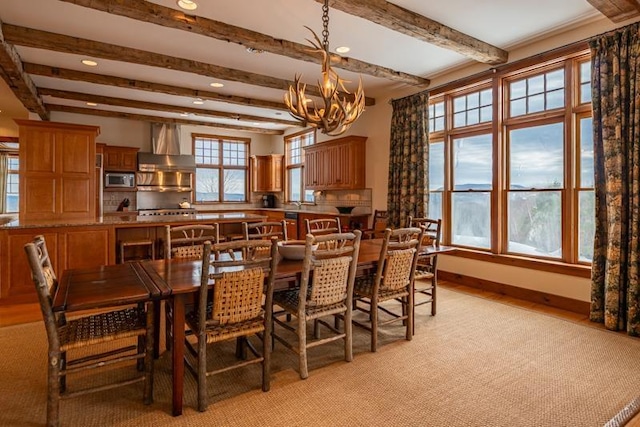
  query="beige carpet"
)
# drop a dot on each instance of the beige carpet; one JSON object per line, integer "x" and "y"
{"x": 477, "y": 363}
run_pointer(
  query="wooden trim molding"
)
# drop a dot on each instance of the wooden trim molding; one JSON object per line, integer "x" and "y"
{"x": 564, "y": 303}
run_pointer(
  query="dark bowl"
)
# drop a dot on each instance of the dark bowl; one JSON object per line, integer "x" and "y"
{"x": 345, "y": 209}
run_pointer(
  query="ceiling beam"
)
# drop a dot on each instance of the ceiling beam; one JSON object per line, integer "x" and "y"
{"x": 101, "y": 79}
{"x": 129, "y": 103}
{"x": 18, "y": 81}
{"x": 414, "y": 25}
{"x": 155, "y": 119}
{"x": 617, "y": 10}
{"x": 167, "y": 17}
{"x": 38, "y": 39}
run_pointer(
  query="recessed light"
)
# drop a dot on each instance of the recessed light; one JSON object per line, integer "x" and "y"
{"x": 216, "y": 84}
{"x": 92, "y": 104}
{"x": 343, "y": 49}
{"x": 187, "y": 4}
{"x": 198, "y": 102}
{"x": 257, "y": 124}
{"x": 254, "y": 50}
{"x": 89, "y": 63}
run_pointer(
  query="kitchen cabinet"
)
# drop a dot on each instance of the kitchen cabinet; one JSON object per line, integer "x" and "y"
{"x": 120, "y": 159}
{"x": 57, "y": 171}
{"x": 266, "y": 173}
{"x": 338, "y": 164}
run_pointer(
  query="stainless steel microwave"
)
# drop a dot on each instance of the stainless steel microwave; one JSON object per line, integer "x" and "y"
{"x": 119, "y": 180}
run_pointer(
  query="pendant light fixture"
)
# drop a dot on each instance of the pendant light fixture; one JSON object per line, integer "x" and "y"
{"x": 339, "y": 107}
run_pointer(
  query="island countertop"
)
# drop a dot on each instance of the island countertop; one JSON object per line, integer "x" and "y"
{"x": 137, "y": 220}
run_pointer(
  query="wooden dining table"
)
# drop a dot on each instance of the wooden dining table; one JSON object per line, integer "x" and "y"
{"x": 178, "y": 281}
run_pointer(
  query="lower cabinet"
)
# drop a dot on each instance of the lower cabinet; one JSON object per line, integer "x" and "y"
{"x": 69, "y": 247}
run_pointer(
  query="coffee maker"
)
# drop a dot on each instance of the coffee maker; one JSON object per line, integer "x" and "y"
{"x": 268, "y": 201}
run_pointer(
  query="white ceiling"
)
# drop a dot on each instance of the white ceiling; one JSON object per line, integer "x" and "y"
{"x": 503, "y": 23}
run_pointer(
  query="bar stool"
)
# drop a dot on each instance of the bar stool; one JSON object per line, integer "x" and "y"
{"x": 148, "y": 243}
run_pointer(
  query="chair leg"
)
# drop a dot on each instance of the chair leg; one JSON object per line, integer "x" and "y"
{"x": 410, "y": 310}
{"x": 149, "y": 355}
{"x": 142, "y": 344}
{"x": 373, "y": 315}
{"x": 316, "y": 329}
{"x": 53, "y": 393}
{"x": 168, "y": 330}
{"x": 302, "y": 346}
{"x": 433, "y": 297}
{"x": 266, "y": 355}
{"x": 63, "y": 366}
{"x": 348, "y": 339}
{"x": 202, "y": 373}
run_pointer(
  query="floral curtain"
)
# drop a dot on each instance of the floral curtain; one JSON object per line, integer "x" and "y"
{"x": 408, "y": 159}
{"x": 615, "y": 288}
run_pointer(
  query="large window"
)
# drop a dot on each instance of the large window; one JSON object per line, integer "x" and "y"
{"x": 13, "y": 183}
{"x": 294, "y": 149}
{"x": 221, "y": 168}
{"x": 511, "y": 161}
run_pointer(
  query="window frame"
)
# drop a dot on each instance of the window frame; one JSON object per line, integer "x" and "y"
{"x": 304, "y": 135}
{"x": 12, "y": 172}
{"x": 221, "y": 167}
{"x": 568, "y": 59}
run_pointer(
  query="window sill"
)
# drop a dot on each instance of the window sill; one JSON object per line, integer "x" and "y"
{"x": 577, "y": 270}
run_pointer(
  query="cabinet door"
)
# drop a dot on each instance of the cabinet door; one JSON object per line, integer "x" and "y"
{"x": 76, "y": 180}
{"x": 84, "y": 248}
{"x": 120, "y": 159}
{"x": 266, "y": 173}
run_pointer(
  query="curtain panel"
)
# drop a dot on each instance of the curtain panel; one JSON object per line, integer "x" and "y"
{"x": 408, "y": 159}
{"x": 615, "y": 288}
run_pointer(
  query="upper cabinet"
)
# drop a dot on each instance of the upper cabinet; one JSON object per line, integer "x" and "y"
{"x": 120, "y": 159}
{"x": 57, "y": 171}
{"x": 267, "y": 172}
{"x": 338, "y": 164}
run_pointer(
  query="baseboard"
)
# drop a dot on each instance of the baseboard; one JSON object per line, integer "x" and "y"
{"x": 564, "y": 303}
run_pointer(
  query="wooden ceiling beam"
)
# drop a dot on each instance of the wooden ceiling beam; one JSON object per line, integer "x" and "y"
{"x": 29, "y": 37}
{"x": 101, "y": 79}
{"x": 422, "y": 28}
{"x": 167, "y": 17}
{"x": 19, "y": 82}
{"x": 155, "y": 119}
{"x": 617, "y": 10}
{"x": 143, "y": 105}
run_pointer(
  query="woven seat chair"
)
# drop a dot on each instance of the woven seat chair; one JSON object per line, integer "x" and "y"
{"x": 87, "y": 333}
{"x": 233, "y": 310}
{"x": 427, "y": 269}
{"x": 378, "y": 226}
{"x": 392, "y": 280}
{"x": 184, "y": 242}
{"x": 326, "y": 290}
{"x": 265, "y": 230}
{"x": 323, "y": 226}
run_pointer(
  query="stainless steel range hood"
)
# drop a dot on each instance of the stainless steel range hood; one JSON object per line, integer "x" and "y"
{"x": 149, "y": 162}
{"x": 163, "y": 172}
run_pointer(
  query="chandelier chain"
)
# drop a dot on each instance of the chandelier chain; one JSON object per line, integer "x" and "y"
{"x": 325, "y": 25}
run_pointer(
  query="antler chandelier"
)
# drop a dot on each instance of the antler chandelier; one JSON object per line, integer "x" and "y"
{"x": 339, "y": 107}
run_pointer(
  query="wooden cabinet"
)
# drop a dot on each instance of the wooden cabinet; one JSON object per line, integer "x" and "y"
{"x": 338, "y": 164}
{"x": 57, "y": 171}
{"x": 120, "y": 159}
{"x": 266, "y": 172}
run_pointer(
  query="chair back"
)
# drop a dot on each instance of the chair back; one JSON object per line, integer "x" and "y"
{"x": 237, "y": 274}
{"x": 398, "y": 258}
{"x": 432, "y": 229}
{"x": 329, "y": 269}
{"x": 46, "y": 284}
{"x": 186, "y": 241}
{"x": 265, "y": 230}
{"x": 323, "y": 226}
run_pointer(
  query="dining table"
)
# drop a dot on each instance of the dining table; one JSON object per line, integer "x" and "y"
{"x": 176, "y": 280}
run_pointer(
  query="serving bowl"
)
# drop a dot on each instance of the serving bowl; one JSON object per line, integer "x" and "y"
{"x": 293, "y": 249}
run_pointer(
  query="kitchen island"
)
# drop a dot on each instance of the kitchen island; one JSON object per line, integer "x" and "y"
{"x": 86, "y": 243}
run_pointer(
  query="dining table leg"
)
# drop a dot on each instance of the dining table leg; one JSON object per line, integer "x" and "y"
{"x": 178, "y": 353}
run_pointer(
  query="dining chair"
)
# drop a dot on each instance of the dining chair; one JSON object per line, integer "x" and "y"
{"x": 379, "y": 224}
{"x": 393, "y": 280}
{"x": 234, "y": 308}
{"x": 184, "y": 242}
{"x": 326, "y": 290}
{"x": 323, "y": 226}
{"x": 133, "y": 325}
{"x": 427, "y": 269}
{"x": 265, "y": 230}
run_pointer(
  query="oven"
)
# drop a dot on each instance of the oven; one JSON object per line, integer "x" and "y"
{"x": 119, "y": 180}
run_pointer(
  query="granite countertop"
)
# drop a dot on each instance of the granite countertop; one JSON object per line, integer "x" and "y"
{"x": 132, "y": 220}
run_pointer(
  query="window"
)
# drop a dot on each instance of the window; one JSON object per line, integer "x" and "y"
{"x": 13, "y": 184}
{"x": 513, "y": 173}
{"x": 221, "y": 168}
{"x": 436, "y": 116}
{"x": 294, "y": 149}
